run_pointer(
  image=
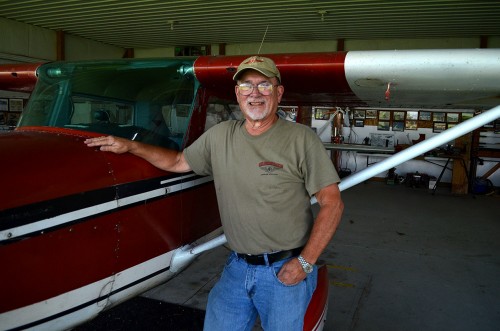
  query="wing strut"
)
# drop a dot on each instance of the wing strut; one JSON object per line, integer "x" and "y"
{"x": 184, "y": 255}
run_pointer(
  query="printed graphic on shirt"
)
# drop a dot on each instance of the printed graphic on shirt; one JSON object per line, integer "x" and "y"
{"x": 269, "y": 167}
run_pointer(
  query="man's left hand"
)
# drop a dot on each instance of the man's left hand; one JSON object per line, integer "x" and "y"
{"x": 292, "y": 273}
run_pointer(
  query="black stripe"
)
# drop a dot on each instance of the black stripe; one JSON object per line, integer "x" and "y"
{"x": 19, "y": 216}
{"x": 88, "y": 303}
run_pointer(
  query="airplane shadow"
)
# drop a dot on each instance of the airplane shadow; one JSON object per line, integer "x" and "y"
{"x": 142, "y": 313}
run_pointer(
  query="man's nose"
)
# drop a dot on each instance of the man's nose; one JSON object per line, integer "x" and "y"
{"x": 255, "y": 91}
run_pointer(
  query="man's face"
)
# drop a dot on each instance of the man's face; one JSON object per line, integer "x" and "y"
{"x": 256, "y": 106}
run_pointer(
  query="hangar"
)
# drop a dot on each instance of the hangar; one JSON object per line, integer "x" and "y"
{"x": 422, "y": 255}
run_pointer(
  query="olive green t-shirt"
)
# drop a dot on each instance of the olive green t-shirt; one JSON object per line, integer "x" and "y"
{"x": 264, "y": 183}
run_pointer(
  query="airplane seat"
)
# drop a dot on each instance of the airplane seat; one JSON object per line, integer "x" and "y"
{"x": 101, "y": 116}
{"x": 102, "y": 124}
{"x": 157, "y": 132}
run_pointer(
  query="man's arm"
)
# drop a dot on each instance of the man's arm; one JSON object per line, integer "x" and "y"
{"x": 325, "y": 225}
{"x": 165, "y": 159}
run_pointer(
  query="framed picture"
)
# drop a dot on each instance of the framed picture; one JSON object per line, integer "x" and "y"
{"x": 13, "y": 118}
{"x": 466, "y": 116}
{"x": 424, "y": 115}
{"x": 359, "y": 123}
{"x": 384, "y": 115}
{"x": 452, "y": 117}
{"x": 383, "y": 125}
{"x": 322, "y": 113}
{"x": 450, "y": 125}
{"x": 398, "y": 116}
{"x": 3, "y": 118}
{"x": 412, "y": 115}
{"x": 438, "y": 127}
{"x": 359, "y": 114}
{"x": 411, "y": 125}
{"x": 371, "y": 113}
{"x": 398, "y": 126}
{"x": 288, "y": 113}
{"x": 4, "y": 104}
{"x": 438, "y": 117}
{"x": 16, "y": 105}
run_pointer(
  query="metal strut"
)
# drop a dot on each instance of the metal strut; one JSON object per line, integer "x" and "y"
{"x": 184, "y": 255}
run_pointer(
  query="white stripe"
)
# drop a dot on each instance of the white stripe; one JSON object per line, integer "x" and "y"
{"x": 177, "y": 178}
{"x": 88, "y": 293}
{"x": 97, "y": 209}
{"x": 101, "y": 288}
{"x": 320, "y": 324}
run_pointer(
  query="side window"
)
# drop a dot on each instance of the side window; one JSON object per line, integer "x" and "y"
{"x": 219, "y": 111}
{"x": 88, "y": 111}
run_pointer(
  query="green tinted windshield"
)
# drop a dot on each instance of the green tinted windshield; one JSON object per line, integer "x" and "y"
{"x": 144, "y": 100}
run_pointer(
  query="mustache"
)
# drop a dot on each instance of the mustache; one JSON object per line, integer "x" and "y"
{"x": 255, "y": 100}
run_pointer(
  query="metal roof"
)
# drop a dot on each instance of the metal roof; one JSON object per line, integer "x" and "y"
{"x": 155, "y": 23}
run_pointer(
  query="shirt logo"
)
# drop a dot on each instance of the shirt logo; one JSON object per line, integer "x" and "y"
{"x": 270, "y": 167}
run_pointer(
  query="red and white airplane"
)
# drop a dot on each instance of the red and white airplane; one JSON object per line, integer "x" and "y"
{"x": 82, "y": 230}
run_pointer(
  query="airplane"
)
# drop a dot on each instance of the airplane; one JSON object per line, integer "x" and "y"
{"x": 82, "y": 230}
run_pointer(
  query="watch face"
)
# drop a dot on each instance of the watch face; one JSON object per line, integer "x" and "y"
{"x": 308, "y": 269}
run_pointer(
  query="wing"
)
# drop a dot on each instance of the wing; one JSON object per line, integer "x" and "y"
{"x": 449, "y": 79}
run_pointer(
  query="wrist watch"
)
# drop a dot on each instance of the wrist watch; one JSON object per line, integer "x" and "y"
{"x": 306, "y": 266}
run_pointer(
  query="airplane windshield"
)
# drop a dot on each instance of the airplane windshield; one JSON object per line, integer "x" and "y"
{"x": 145, "y": 100}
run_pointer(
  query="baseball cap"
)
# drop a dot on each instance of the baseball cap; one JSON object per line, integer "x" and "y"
{"x": 264, "y": 65}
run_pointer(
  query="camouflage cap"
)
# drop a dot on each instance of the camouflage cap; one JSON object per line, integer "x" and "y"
{"x": 264, "y": 65}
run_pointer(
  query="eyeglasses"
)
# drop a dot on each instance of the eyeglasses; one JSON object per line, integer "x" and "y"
{"x": 263, "y": 88}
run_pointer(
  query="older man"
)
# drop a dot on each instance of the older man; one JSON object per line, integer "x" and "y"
{"x": 265, "y": 170}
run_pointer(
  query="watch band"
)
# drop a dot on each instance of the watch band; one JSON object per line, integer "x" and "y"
{"x": 306, "y": 266}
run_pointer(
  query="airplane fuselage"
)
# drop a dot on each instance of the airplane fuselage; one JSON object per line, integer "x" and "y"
{"x": 82, "y": 230}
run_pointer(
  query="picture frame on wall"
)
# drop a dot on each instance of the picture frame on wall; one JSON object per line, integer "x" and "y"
{"x": 466, "y": 116}
{"x": 452, "y": 117}
{"x": 384, "y": 115}
{"x": 4, "y": 104}
{"x": 411, "y": 125}
{"x": 16, "y": 105}
{"x": 398, "y": 126}
{"x": 438, "y": 127}
{"x": 424, "y": 115}
{"x": 13, "y": 118}
{"x": 438, "y": 117}
{"x": 412, "y": 115}
{"x": 359, "y": 114}
{"x": 288, "y": 113}
{"x": 3, "y": 118}
{"x": 398, "y": 116}
{"x": 371, "y": 113}
{"x": 321, "y": 113}
{"x": 383, "y": 125}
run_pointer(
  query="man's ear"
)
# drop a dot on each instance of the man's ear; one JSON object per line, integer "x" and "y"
{"x": 281, "y": 90}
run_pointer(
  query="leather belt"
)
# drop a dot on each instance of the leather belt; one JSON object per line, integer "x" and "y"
{"x": 271, "y": 257}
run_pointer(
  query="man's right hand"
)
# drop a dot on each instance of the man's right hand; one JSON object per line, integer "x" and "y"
{"x": 162, "y": 158}
{"x": 110, "y": 144}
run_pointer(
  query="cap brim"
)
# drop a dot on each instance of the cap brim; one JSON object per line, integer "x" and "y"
{"x": 266, "y": 73}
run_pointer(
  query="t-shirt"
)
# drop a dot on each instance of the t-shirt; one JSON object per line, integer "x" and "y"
{"x": 263, "y": 183}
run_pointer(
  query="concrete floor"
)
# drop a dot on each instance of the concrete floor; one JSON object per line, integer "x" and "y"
{"x": 402, "y": 259}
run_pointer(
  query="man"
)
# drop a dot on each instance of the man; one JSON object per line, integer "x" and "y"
{"x": 265, "y": 170}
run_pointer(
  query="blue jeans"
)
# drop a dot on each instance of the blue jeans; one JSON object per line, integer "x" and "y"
{"x": 245, "y": 291}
